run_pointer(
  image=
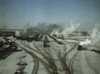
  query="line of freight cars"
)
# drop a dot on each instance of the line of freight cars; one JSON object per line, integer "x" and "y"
{"x": 30, "y": 38}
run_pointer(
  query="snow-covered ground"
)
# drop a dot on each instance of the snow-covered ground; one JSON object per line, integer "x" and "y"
{"x": 9, "y": 65}
{"x": 78, "y": 62}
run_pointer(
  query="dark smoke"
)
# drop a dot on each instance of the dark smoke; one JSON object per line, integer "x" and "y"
{"x": 42, "y": 28}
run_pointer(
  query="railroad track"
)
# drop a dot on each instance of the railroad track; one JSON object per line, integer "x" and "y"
{"x": 65, "y": 67}
{"x": 72, "y": 61}
{"x": 59, "y": 42}
{"x": 70, "y": 67}
{"x": 51, "y": 67}
{"x": 49, "y": 60}
{"x": 38, "y": 58}
{"x": 66, "y": 53}
{"x": 54, "y": 68}
{"x": 35, "y": 66}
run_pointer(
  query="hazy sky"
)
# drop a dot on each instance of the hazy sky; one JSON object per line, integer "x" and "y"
{"x": 17, "y": 13}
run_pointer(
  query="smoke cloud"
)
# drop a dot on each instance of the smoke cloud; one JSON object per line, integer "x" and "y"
{"x": 41, "y": 28}
{"x": 67, "y": 30}
{"x": 96, "y": 34}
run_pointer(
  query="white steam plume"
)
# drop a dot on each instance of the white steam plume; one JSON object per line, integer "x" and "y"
{"x": 69, "y": 30}
{"x": 96, "y": 34}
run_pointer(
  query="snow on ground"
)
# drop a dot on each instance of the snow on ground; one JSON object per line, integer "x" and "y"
{"x": 93, "y": 60}
{"x": 85, "y": 68}
{"x": 9, "y": 65}
{"x": 86, "y": 62}
{"x": 42, "y": 69}
{"x": 30, "y": 66}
